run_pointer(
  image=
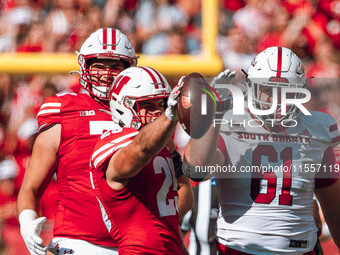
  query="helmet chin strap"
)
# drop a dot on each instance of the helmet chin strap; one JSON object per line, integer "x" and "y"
{"x": 103, "y": 102}
{"x": 106, "y": 111}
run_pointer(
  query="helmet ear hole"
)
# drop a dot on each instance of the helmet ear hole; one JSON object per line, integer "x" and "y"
{"x": 299, "y": 71}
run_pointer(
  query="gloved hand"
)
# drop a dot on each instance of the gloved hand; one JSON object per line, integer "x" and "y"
{"x": 171, "y": 110}
{"x": 30, "y": 229}
{"x": 224, "y": 77}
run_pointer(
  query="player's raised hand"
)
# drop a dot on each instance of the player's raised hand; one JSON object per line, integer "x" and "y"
{"x": 30, "y": 229}
{"x": 224, "y": 77}
{"x": 171, "y": 110}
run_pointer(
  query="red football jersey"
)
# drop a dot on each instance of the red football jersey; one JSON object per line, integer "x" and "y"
{"x": 78, "y": 214}
{"x": 142, "y": 216}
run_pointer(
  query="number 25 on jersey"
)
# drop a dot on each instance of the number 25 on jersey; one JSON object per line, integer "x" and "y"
{"x": 166, "y": 206}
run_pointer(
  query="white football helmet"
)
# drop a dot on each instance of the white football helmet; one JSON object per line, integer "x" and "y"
{"x": 131, "y": 86}
{"x": 105, "y": 43}
{"x": 275, "y": 67}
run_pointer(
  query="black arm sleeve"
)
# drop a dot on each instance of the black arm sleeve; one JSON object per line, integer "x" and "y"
{"x": 177, "y": 159}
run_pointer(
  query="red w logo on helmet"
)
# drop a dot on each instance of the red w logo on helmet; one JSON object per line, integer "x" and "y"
{"x": 117, "y": 86}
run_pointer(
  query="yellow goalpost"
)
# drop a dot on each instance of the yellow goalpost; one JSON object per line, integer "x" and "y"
{"x": 208, "y": 63}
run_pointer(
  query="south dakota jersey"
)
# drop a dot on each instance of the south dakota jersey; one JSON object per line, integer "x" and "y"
{"x": 142, "y": 216}
{"x": 266, "y": 201}
{"x": 78, "y": 215}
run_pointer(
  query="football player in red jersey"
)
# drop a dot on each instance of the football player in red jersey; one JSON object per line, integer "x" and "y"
{"x": 69, "y": 125}
{"x": 277, "y": 162}
{"x": 133, "y": 174}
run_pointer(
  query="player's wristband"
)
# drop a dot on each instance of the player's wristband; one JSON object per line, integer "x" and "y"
{"x": 189, "y": 171}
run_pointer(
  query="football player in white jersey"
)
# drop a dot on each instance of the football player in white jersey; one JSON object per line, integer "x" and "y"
{"x": 270, "y": 165}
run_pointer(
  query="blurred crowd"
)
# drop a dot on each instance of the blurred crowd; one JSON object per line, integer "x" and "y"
{"x": 311, "y": 28}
